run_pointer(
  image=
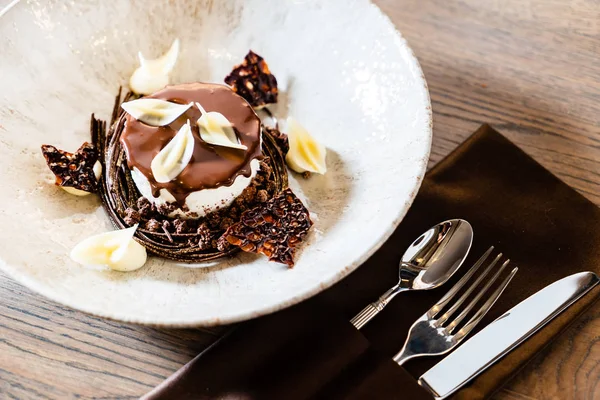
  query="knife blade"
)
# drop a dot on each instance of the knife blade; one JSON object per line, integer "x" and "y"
{"x": 504, "y": 334}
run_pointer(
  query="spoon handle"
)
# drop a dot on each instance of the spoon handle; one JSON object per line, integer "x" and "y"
{"x": 374, "y": 308}
{"x": 365, "y": 315}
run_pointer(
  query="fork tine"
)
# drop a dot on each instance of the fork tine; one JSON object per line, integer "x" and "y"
{"x": 433, "y": 311}
{"x": 440, "y": 321}
{"x": 476, "y": 299}
{"x": 485, "y": 308}
{"x": 468, "y": 327}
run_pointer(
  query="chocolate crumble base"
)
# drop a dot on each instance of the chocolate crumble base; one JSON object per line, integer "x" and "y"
{"x": 204, "y": 232}
{"x": 280, "y": 138}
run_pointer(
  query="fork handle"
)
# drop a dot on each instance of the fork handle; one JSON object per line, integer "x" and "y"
{"x": 404, "y": 355}
{"x": 374, "y": 308}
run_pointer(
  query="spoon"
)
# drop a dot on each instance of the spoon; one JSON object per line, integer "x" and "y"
{"x": 428, "y": 262}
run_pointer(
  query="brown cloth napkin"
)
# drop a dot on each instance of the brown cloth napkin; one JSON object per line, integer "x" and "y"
{"x": 305, "y": 352}
{"x": 310, "y": 350}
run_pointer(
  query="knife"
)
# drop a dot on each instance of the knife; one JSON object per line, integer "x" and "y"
{"x": 504, "y": 334}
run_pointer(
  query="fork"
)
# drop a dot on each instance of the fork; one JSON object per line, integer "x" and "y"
{"x": 432, "y": 335}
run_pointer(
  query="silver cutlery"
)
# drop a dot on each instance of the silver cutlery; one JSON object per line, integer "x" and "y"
{"x": 427, "y": 263}
{"x": 435, "y": 333}
{"x": 504, "y": 334}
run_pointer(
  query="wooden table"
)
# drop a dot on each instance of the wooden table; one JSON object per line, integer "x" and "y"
{"x": 529, "y": 67}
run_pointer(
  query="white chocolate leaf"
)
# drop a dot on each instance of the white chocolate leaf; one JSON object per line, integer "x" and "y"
{"x": 116, "y": 250}
{"x": 175, "y": 156}
{"x": 153, "y": 75}
{"x": 78, "y": 192}
{"x": 216, "y": 129}
{"x": 155, "y": 112}
{"x": 305, "y": 154}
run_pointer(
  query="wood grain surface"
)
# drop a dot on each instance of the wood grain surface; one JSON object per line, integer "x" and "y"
{"x": 528, "y": 67}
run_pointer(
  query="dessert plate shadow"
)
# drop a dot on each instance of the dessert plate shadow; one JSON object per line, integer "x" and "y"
{"x": 357, "y": 88}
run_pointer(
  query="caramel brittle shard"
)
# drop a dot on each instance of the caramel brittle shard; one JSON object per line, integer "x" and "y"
{"x": 274, "y": 228}
{"x": 253, "y": 81}
{"x": 74, "y": 170}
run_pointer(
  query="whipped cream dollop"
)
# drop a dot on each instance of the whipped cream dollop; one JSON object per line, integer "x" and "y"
{"x": 78, "y": 192}
{"x": 175, "y": 156}
{"x": 153, "y": 75}
{"x": 216, "y": 129}
{"x": 305, "y": 154}
{"x": 116, "y": 250}
{"x": 155, "y": 112}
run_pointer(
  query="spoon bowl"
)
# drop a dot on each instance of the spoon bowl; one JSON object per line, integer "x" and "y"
{"x": 435, "y": 255}
{"x": 427, "y": 263}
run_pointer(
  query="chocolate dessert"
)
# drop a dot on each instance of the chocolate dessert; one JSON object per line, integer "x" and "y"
{"x": 192, "y": 170}
{"x": 173, "y": 229}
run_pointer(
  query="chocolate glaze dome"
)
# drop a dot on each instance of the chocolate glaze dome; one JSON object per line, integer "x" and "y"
{"x": 211, "y": 166}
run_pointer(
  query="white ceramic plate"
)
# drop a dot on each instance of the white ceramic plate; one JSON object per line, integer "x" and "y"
{"x": 346, "y": 73}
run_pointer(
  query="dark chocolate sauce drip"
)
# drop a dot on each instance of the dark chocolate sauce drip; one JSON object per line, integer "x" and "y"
{"x": 211, "y": 166}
